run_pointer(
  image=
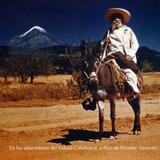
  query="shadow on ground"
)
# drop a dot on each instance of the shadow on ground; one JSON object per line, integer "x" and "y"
{"x": 80, "y": 135}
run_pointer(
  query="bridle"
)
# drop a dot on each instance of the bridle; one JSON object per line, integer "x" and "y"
{"x": 92, "y": 77}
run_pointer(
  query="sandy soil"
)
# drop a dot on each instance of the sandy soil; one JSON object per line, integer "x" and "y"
{"x": 69, "y": 132}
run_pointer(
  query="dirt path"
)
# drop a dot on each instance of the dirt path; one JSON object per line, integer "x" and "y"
{"x": 46, "y": 132}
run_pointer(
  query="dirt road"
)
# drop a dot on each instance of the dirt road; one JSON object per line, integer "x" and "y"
{"x": 69, "y": 132}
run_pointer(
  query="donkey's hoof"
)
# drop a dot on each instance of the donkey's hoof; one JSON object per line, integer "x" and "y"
{"x": 94, "y": 140}
{"x": 136, "y": 132}
{"x": 114, "y": 133}
{"x": 112, "y": 137}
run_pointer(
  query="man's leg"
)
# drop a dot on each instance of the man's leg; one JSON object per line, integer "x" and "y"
{"x": 132, "y": 80}
{"x": 130, "y": 68}
{"x": 123, "y": 63}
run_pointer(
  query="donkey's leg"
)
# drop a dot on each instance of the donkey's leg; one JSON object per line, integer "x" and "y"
{"x": 113, "y": 115}
{"x": 101, "y": 117}
{"x": 135, "y": 104}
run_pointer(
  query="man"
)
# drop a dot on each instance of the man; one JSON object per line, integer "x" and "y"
{"x": 121, "y": 42}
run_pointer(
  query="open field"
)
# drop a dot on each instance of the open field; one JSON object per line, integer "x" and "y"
{"x": 149, "y": 78}
{"x": 59, "y": 129}
{"x": 60, "y": 87}
{"x": 69, "y": 132}
{"x": 42, "y": 79}
{"x": 54, "y": 89}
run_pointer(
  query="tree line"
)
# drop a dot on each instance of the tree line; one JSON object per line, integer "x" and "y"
{"x": 26, "y": 66}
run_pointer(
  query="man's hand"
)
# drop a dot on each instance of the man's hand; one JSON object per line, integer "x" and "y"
{"x": 128, "y": 58}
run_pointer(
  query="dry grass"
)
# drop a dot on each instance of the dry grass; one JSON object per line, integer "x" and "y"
{"x": 51, "y": 87}
{"x": 37, "y": 91}
{"x": 39, "y": 103}
{"x": 41, "y": 79}
{"x": 151, "y": 78}
{"x": 151, "y": 83}
{"x": 57, "y": 87}
{"x": 52, "y": 78}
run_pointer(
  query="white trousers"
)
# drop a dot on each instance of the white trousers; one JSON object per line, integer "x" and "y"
{"x": 132, "y": 79}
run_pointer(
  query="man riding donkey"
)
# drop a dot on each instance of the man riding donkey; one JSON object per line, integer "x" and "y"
{"x": 120, "y": 43}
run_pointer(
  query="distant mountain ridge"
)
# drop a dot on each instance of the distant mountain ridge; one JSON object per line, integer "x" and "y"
{"x": 34, "y": 38}
{"x": 148, "y": 57}
{"x": 145, "y": 51}
{"x": 144, "y": 55}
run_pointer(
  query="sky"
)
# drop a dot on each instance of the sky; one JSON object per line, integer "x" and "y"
{"x": 72, "y": 20}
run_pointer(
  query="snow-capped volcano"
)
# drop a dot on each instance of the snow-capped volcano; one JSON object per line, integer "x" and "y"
{"x": 33, "y": 28}
{"x": 34, "y": 38}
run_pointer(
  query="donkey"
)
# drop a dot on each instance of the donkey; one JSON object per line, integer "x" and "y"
{"x": 101, "y": 84}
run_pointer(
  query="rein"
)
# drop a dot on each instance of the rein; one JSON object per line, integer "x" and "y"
{"x": 98, "y": 67}
{"x": 86, "y": 75}
{"x": 102, "y": 62}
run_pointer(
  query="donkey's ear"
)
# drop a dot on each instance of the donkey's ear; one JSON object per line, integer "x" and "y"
{"x": 97, "y": 49}
{"x": 83, "y": 47}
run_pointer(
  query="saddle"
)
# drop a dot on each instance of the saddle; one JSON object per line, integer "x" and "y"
{"x": 119, "y": 78}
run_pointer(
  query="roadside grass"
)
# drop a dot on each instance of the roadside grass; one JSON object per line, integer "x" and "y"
{"x": 60, "y": 87}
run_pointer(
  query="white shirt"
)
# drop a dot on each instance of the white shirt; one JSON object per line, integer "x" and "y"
{"x": 124, "y": 40}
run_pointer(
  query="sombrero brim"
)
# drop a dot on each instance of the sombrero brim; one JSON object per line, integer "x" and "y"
{"x": 126, "y": 14}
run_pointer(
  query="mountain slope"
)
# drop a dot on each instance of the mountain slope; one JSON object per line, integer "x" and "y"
{"x": 34, "y": 38}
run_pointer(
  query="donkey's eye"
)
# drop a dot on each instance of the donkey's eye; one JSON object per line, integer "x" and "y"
{"x": 85, "y": 64}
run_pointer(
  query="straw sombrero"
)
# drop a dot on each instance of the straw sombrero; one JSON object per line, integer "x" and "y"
{"x": 126, "y": 14}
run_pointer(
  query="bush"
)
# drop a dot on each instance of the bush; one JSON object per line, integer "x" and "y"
{"x": 153, "y": 88}
{"x": 39, "y": 91}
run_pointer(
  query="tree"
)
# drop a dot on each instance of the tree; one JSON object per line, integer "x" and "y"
{"x": 4, "y": 55}
{"x": 28, "y": 66}
{"x": 39, "y": 65}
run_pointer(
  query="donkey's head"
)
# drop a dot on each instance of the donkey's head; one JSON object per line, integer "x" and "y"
{"x": 90, "y": 54}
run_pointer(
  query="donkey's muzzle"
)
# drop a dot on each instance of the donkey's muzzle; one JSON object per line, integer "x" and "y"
{"x": 93, "y": 80}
